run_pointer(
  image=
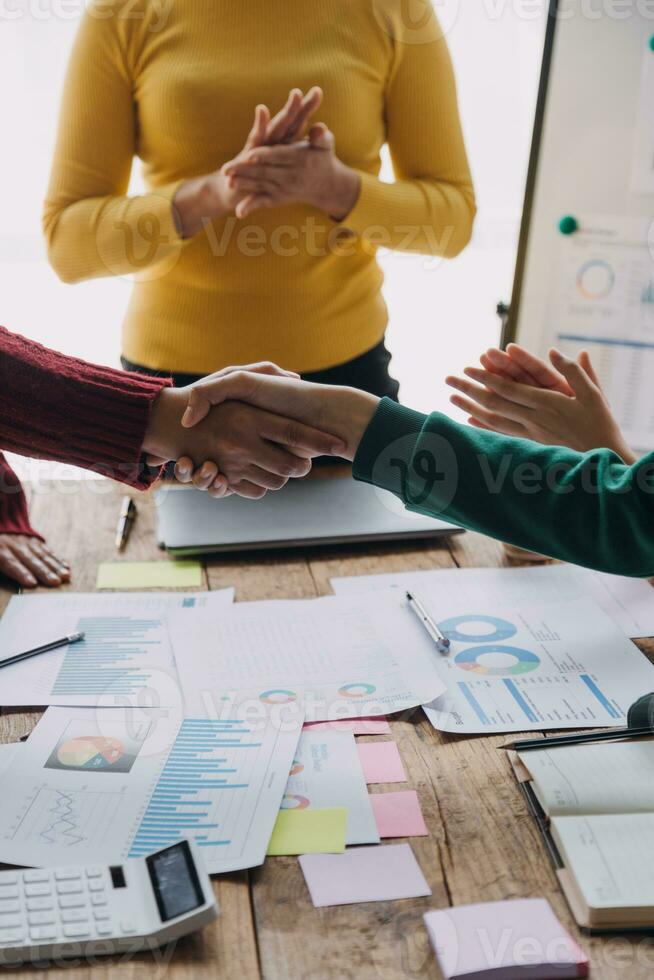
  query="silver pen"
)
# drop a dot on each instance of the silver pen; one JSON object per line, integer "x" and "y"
{"x": 439, "y": 638}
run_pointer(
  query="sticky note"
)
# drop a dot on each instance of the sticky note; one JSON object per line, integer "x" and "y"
{"x": 358, "y": 726}
{"x": 398, "y": 814}
{"x": 381, "y": 762}
{"x": 150, "y": 575}
{"x": 309, "y": 832}
{"x": 363, "y": 874}
{"x": 494, "y": 940}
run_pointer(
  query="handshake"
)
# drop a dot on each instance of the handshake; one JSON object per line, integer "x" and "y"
{"x": 251, "y": 429}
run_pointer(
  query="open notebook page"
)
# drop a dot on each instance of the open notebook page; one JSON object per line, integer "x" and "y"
{"x": 595, "y": 778}
{"x": 611, "y": 857}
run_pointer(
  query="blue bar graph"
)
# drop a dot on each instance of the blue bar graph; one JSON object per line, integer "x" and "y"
{"x": 474, "y": 703}
{"x": 107, "y": 659}
{"x": 201, "y": 770}
{"x": 602, "y": 698}
{"x": 520, "y": 700}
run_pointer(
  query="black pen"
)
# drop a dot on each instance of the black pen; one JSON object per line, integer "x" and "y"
{"x": 55, "y": 645}
{"x": 614, "y": 735}
{"x": 439, "y": 638}
{"x": 125, "y": 522}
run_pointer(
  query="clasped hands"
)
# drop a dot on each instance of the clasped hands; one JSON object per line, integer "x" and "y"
{"x": 249, "y": 430}
{"x": 284, "y": 161}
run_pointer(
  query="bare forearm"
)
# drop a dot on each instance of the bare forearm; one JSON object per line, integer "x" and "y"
{"x": 197, "y": 201}
{"x": 337, "y": 195}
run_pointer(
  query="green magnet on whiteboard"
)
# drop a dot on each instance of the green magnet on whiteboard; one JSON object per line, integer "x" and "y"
{"x": 568, "y": 225}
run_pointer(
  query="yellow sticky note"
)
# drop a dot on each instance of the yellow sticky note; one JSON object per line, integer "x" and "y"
{"x": 150, "y": 575}
{"x": 309, "y": 832}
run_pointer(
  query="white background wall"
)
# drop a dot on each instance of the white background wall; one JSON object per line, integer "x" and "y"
{"x": 442, "y": 314}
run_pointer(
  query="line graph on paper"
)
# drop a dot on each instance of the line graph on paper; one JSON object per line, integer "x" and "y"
{"x": 66, "y": 818}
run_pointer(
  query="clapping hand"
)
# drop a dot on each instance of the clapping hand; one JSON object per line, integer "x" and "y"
{"x": 216, "y": 195}
{"x": 561, "y": 403}
{"x": 304, "y": 172}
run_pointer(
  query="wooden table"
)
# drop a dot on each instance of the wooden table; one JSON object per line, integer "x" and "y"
{"x": 483, "y": 845}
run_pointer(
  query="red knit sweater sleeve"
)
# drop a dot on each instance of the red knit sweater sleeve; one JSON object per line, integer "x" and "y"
{"x": 14, "y": 516}
{"x": 64, "y": 409}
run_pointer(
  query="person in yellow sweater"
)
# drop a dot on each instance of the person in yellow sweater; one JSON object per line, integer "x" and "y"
{"x": 242, "y": 250}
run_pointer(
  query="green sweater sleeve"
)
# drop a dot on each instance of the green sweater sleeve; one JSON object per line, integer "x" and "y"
{"x": 587, "y": 508}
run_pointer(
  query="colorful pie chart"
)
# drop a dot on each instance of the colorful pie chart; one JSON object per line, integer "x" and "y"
{"x": 497, "y": 660}
{"x": 90, "y": 752}
{"x": 595, "y": 279}
{"x": 278, "y": 697}
{"x": 357, "y": 690}
{"x": 294, "y": 802}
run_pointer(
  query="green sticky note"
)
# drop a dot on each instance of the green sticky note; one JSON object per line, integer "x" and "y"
{"x": 309, "y": 832}
{"x": 150, "y": 575}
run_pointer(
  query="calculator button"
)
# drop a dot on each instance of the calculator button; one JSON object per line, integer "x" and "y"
{"x": 74, "y": 915}
{"x": 72, "y": 901}
{"x": 39, "y": 933}
{"x": 94, "y": 872}
{"x": 69, "y": 887}
{"x": 33, "y": 891}
{"x": 9, "y": 906}
{"x": 40, "y": 918}
{"x": 67, "y": 874}
{"x": 36, "y": 876}
{"x": 100, "y": 914}
{"x": 10, "y": 921}
{"x": 127, "y": 928}
{"x": 38, "y": 904}
{"x": 8, "y": 878}
{"x": 104, "y": 928}
{"x": 98, "y": 898}
{"x": 76, "y": 931}
{"x": 11, "y": 936}
{"x": 95, "y": 885}
{"x": 8, "y": 891}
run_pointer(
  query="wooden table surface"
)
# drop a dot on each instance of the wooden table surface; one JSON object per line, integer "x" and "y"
{"x": 483, "y": 845}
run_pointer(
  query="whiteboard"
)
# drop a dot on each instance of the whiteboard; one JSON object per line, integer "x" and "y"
{"x": 593, "y": 161}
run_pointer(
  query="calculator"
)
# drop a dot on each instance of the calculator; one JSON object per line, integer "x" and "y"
{"x": 72, "y": 911}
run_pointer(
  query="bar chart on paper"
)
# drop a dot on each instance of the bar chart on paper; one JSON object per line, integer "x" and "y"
{"x": 222, "y": 786}
{"x": 113, "y": 658}
{"x": 125, "y": 655}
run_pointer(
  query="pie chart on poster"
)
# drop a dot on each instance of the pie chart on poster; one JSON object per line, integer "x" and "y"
{"x": 90, "y": 752}
{"x": 497, "y": 660}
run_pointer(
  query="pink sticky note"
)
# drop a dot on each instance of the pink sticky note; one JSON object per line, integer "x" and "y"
{"x": 398, "y": 814}
{"x": 358, "y": 726}
{"x": 381, "y": 762}
{"x": 494, "y": 940}
{"x": 363, "y": 874}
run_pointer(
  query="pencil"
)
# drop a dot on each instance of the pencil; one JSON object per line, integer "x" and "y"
{"x": 55, "y": 645}
{"x": 613, "y": 735}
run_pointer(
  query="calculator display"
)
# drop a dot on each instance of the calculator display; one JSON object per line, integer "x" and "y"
{"x": 175, "y": 881}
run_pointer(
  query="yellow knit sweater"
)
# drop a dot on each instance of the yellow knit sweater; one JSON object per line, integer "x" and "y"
{"x": 175, "y": 83}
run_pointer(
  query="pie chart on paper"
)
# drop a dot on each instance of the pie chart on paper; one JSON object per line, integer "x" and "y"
{"x": 91, "y": 752}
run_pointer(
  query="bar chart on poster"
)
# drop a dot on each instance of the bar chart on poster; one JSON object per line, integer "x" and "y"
{"x": 585, "y": 271}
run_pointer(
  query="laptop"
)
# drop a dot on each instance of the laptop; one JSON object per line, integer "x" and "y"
{"x": 322, "y": 510}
